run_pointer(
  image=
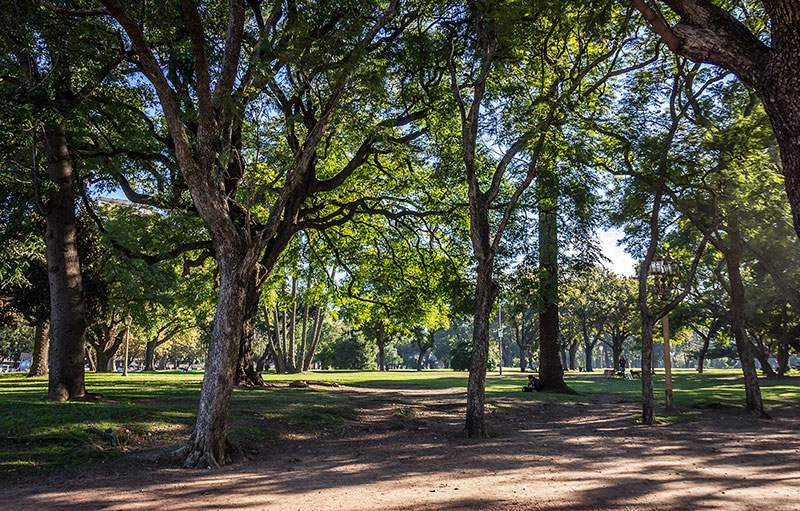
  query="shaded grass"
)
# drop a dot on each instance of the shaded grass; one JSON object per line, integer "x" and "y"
{"x": 157, "y": 409}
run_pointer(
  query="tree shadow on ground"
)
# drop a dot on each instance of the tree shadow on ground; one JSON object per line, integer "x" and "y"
{"x": 404, "y": 449}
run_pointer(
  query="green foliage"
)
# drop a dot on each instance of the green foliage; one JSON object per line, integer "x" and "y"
{"x": 349, "y": 351}
{"x": 461, "y": 354}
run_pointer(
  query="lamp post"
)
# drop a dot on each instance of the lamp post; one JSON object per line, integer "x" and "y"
{"x": 663, "y": 272}
{"x": 128, "y": 321}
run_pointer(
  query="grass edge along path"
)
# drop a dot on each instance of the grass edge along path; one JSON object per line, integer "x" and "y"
{"x": 156, "y": 409}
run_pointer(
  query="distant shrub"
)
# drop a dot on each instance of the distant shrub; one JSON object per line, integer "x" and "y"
{"x": 461, "y": 355}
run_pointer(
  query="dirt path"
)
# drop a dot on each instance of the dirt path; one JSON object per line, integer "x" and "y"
{"x": 405, "y": 451}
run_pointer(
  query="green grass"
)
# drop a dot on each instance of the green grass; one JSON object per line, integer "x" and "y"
{"x": 147, "y": 409}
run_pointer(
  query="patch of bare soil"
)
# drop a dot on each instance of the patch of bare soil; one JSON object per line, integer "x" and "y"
{"x": 405, "y": 451}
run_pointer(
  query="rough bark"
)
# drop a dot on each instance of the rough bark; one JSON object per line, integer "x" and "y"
{"x": 485, "y": 294}
{"x": 41, "y": 346}
{"x": 551, "y": 372}
{"x": 246, "y": 375}
{"x": 208, "y": 445}
{"x": 67, "y": 307}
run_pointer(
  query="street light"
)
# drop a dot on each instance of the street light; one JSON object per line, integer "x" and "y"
{"x": 663, "y": 272}
{"x": 128, "y": 321}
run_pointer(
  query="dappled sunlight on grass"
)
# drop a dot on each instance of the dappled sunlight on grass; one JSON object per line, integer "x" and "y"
{"x": 152, "y": 409}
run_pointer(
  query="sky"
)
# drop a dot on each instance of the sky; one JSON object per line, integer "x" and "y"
{"x": 619, "y": 261}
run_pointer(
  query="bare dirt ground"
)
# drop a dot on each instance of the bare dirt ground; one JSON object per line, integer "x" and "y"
{"x": 405, "y": 451}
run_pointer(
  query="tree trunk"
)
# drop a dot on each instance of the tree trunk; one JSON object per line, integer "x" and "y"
{"x": 90, "y": 360}
{"x": 422, "y": 353}
{"x": 701, "y": 356}
{"x": 588, "y": 347}
{"x": 617, "y": 342}
{"x": 783, "y": 359}
{"x": 209, "y": 445}
{"x": 285, "y": 342}
{"x": 277, "y": 351}
{"x": 317, "y": 331}
{"x": 485, "y": 293}
{"x": 301, "y": 356}
{"x": 67, "y": 308}
{"x": 736, "y": 292}
{"x": 105, "y": 360}
{"x": 41, "y": 345}
{"x": 150, "y": 355}
{"x": 551, "y": 372}
{"x": 290, "y": 362}
{"x": 573, "y": 355}
{"x": 262, "y": 361}
{"x": 762, "y": 354}
{"x": 381, "y": 342}
{"x": 648, "y": 401}
{"x": 246, "y": 375}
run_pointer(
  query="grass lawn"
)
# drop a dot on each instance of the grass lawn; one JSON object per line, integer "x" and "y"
{"x": 153, "y": 409}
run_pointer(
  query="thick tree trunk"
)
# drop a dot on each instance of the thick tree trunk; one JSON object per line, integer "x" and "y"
{"x": 551, "y": 372}
{"x": 150, "y": 356}
{"x": 736, "y": 292}
{"x": 648, "y": 401}
{"x": 209, "y": 445}
{"x": 67, "y": 308}
{"x": 485, "y": 293}
{"x": 105, "y": 361}
{"x": 783, "y": 359}
{"x": 246, "y": 375}
{"x": 563, "y": 352}
{"x": 41, "y": 346}
{"x": 573, "y": 355}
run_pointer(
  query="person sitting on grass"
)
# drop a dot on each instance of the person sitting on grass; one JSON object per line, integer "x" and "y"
{"x": 533, "y": 384}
